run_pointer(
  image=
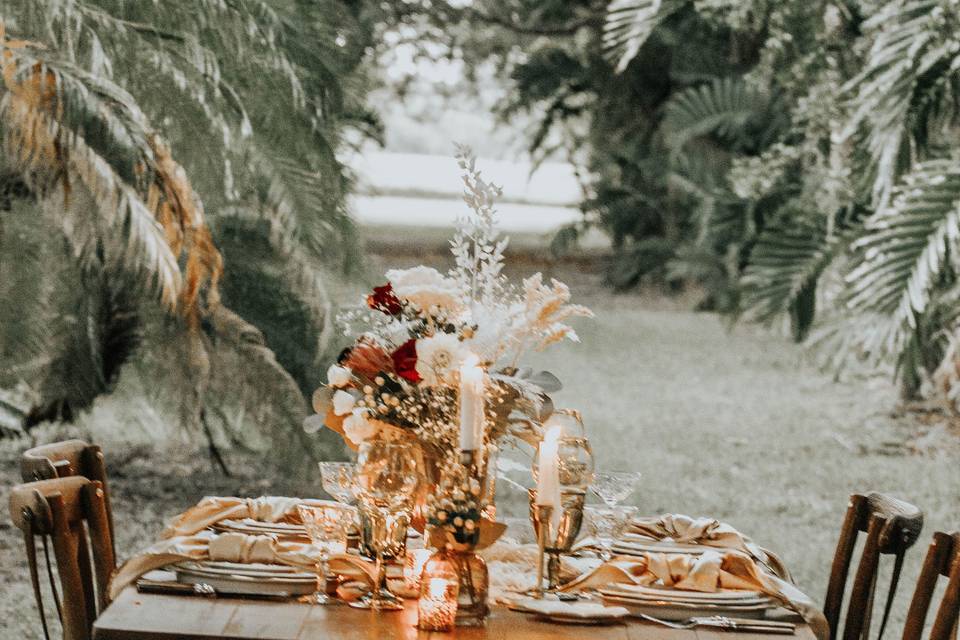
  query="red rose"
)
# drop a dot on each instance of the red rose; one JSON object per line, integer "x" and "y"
{"x": 385, "y": 300}
{"x": 405, "y": 361}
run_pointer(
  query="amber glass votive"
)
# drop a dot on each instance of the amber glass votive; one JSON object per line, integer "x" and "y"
{"x": 437, "y": 606}
{"x": 412, "y": 568}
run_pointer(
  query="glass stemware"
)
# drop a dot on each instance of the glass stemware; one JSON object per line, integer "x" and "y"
{"x": 326, "y": 526}
{"x": 338, "y": 479}
{"x": 613, "y": 487}
{"x": 607, "y": 524}
{"x": 387, "y": 478}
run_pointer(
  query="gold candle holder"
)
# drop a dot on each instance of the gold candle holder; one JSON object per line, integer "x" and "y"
{"x": 558, "y": 533}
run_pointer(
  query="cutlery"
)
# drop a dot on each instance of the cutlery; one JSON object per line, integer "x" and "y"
{"x": 202, "y": 589}
{"x": 723, "y": 622}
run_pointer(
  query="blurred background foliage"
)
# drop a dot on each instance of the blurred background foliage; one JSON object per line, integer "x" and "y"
{"x": 795, "y": 162}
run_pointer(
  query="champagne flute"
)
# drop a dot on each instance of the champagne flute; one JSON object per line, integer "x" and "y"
{"x": 388, "y": 475}
{"x": 326, "y": 526}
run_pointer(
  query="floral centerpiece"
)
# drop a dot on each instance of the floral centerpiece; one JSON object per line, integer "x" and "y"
{"x": 436, "y": 358}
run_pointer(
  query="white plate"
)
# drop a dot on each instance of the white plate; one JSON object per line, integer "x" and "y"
{"x": 659, "y": 592}
{"x": 639, "y": 544}
{"x": 248, "y": 526}
{"x": 679, "y": 611}
{"x": 570, "y": 612}
{"x": 253, "y": 570}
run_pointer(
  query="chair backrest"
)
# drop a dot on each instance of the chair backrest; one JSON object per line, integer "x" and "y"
{"x": 72, "y": 513}
{"x": 64, "y": 459}
{"x": 892, "y": 527}
{"x": 943, "y": 559}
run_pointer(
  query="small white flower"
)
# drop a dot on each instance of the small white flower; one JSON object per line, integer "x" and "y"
{"x": 343, "y": 403}
{"x": 426, "y": 288}
{"x": 357, "y": 428}
{"x": 438, "y": 357}
{"x": 338, "y": 376}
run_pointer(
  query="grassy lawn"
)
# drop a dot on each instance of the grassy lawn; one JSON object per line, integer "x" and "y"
{"x": 732, "y": 424}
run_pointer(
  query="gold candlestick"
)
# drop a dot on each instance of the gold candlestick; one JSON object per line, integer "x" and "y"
{"x": 544, "y": 513}
{"x": 557, "y": 540}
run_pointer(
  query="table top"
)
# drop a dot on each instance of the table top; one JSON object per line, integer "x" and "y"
{"x": 142, "y": 616}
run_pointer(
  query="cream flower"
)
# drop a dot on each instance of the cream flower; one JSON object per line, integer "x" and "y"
{"x": 438, "y": 357}
{"x": 338, "y": 376}
{"x": 357, "y": 428}
{"x": 425, "y": 287}
{"x": 343, "y": 403}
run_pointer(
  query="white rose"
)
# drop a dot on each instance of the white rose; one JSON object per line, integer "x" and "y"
{"x": 425, "y": 287}
{"x": 338, "y": 376}
{"x": 357, "y": 428}
{"x": 438, "y": 357}
{"x": 343, "y": 403}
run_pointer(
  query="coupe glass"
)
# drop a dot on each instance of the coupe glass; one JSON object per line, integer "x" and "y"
{"x": 327, "y": 527}
{"x": 607, "y": 524}
{"x": 388, "y": 475}
{"x": 338, "y": 480}
{"x": 613, "y": 487}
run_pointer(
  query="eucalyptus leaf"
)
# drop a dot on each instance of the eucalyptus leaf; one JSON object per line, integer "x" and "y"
{"x": 548, "y": 382}
{"x": 323, "y": 400}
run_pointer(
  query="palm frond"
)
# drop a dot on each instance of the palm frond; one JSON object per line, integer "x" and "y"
{"x": 784, "y": 265}
{"x": 628, "y": 25}
{"x": 912, "y": 40}
{"x": 726, "y": 107}
{"x": 66, "y": 128}
{"x": 906, "y": 251}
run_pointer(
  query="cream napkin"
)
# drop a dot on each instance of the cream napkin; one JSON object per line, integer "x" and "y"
{"x": 206, "y": 545}
{"x": 710, "y": 572}
{"x": 709, "y": 533}
{"x": 213, "y": 509}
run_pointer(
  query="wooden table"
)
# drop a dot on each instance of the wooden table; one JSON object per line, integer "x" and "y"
{"x": 139, "y": 616}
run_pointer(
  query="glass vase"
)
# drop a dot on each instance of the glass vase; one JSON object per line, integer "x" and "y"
{"x": 473, "y": 587}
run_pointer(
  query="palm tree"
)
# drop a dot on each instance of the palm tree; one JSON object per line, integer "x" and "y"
{"x": 255, "y": 96}
{"x": 873, "y": 192}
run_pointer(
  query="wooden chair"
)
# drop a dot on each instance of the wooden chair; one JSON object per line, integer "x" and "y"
{"x": 71, "y": 512}
{"x": 892, "y": 527}
{"x": 64, "y": 459}
{"x": 943, "y": 559}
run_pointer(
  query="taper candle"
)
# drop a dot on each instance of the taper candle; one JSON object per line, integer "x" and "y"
{"x": 471, "y": 404}
{"x": 548, "y": 474}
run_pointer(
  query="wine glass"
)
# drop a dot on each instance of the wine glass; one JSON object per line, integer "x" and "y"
{"x": 613, "y": 487}
{"x": 338, "y": 479}
{"x": 607, "y": 524}
{"x": 387, "y": 478}
{"x": 326, "y": 526}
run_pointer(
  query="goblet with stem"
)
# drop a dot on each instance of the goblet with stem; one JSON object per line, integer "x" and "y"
{"x": 388, "y": 475}
{"x": 338, "y": 479}
{"x": 613, "y": 487}
{"x": 326, "y": 526}
{"x": 607, "y": 524}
